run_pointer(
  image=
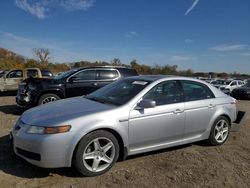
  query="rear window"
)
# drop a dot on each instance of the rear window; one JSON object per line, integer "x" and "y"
{"x": 127, "y": 72}
{"x": 32, "y": 73}
{"x": 106, "y": 74}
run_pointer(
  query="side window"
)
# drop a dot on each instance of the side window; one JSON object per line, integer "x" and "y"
{"x": 168, "y": 92}
{"x": 233, "y": 83}
{"x": 32, "y": 73}
{"x": 15, "y": 74}
{"x": 106, "y": 74}
{"x": 196, "y": 91}
{"x": 85, "y": 75}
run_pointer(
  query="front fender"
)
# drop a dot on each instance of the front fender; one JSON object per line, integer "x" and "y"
{"x": 120, "y": 128}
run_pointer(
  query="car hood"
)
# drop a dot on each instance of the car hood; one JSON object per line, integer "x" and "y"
{"x": 54, "y": 113}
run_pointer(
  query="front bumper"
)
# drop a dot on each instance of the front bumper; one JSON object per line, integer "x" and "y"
{"x": 24, "y": 100}
{"x": 47, "y": 151}
{"x": 235, "y": 127}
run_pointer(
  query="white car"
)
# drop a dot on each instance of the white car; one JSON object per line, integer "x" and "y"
{"x": 229, "y": 85}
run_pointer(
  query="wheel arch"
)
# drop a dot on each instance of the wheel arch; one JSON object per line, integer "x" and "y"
{"x": 123, "y": 150}
{"x": 56, "y": 92}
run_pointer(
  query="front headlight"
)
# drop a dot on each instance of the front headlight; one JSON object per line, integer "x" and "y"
{"x": 48, "y": 130}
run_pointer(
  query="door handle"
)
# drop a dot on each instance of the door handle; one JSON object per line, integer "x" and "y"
{"x": 210, "y": 106}
{"x": 178, "y": 111}
{"x": 95, "y": 84}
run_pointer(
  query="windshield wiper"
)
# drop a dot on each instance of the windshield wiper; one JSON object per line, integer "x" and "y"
{"x": 103, "y": 101}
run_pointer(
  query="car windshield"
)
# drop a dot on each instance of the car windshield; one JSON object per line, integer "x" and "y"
{"x": 218, "y": 82}
{"x": 118, "y": 93}
{"x": 65, "y": 74}
{"x": 227, "y": 82}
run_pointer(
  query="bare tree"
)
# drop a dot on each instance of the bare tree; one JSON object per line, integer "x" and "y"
{"x": 43, "y": 55}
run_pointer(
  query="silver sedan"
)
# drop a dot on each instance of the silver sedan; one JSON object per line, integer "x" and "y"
{"x": 130, "y": 116}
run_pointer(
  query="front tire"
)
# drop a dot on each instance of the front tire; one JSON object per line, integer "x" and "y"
{"x": 96, "y": 153}
{"x": 47, "y": 98}
{"x": 219, "y": 132}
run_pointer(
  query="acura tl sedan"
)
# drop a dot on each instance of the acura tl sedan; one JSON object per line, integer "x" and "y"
{"x": 131, "y": 116}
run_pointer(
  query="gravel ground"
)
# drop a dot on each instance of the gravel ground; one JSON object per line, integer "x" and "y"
{"x": 193, "y": 165}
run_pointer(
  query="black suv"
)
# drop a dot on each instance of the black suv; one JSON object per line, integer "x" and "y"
{"x": 75, "y": 82}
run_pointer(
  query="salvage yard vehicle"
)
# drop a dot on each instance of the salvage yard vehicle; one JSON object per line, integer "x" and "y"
{"x": 217, "y": 83}
{"x": 242, "y": 92}
{"x": 11, "y": 80}
{"x": 130, "y": 116}
{"x": 72, "y": 83}
{"x": 2, "y": 73}
{"x": 229, "y": 85}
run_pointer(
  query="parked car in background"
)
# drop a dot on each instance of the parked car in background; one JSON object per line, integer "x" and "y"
{"x": 2, "y": 73}
{"x": 11, "y": 80}
{"x": 229, "y": 85}
{"x": 72, "y": 83}
{"x": 242, "y": 92}
{"x": 131, "y": 116}
{"x": 217, "y": 83}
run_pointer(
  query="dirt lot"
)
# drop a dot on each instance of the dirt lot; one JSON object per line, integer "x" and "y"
{"x": 194, "y": 165}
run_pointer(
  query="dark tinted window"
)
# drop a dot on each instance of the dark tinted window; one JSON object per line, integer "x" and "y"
{"x": 15, "y": 74}
{"x": 32, "y": 73}
{"x": 86, "y": 75}
{"x": 106, "y": 74}
{"x": 165, "y": 93}
{"x": 127, "y": 72}
{"x": 120, "y": 92}
{"x": 196, "y": 91}
{"x": 46, "y": 73}
{"x": 233, "y": 83}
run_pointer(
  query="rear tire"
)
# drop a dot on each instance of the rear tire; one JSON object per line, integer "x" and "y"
{"x": 219, "y": 132}
{"x": 96, "y": 153}
{"x": 47, "y": 98}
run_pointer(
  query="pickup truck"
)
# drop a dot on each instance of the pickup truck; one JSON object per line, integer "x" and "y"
{"x": 11, "y": 80}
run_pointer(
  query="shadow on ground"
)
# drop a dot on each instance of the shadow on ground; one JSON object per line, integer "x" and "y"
{"x": 8, "y": 93}
{"x": 16, "y": 166}
{"x": 11, "y": 109}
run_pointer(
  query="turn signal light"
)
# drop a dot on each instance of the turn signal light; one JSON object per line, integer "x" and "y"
{"x": 54, "y": 130}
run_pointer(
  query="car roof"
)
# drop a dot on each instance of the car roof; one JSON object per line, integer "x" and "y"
{"x": 94, "y": 67}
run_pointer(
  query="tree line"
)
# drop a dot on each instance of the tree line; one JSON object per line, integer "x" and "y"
{"x": 11, "y": 60}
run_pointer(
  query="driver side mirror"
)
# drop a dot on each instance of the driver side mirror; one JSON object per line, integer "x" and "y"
{"x": 145, "y": 103}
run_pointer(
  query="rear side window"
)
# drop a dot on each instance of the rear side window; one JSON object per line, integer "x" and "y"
{"x": 196, "y": 91}
{"x": 32, "y": 73}
{"x": 106, "y": 74}
{"x": 168, "y": 92}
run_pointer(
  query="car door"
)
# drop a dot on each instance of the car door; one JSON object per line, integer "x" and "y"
{"x": 154, "y": 128}
{"x": 81, "y": 83}
{"x": 12, "y": 80}
{"x": 199, "y": 108}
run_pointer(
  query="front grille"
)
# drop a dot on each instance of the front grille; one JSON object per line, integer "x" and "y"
{"x": 28, "y": 154}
